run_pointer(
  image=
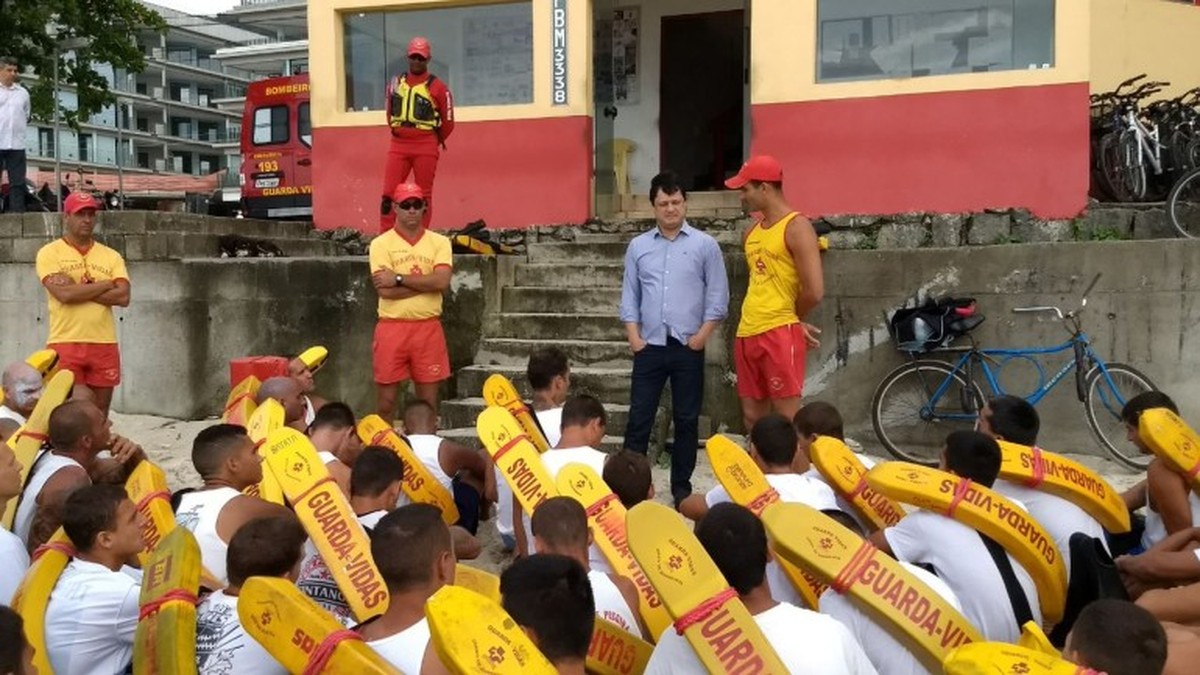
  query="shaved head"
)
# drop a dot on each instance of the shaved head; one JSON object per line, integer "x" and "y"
{"x": 288, "y": 392}
{"x": 22, "y": 385}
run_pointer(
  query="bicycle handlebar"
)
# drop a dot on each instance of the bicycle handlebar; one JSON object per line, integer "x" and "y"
{"x": 1058, "y": 312}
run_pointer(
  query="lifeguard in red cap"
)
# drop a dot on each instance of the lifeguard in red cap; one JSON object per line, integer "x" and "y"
{"x": 84, "y": 280}
{"x": 786, "y": 283}
{"x": 410, "y": 268}
{"x": 420, "y": 114}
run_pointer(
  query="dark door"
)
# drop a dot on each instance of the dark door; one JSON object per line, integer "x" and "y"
{"x": 702, "y": 90}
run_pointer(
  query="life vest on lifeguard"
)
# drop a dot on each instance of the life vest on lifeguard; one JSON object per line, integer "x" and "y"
{"x": 412, "y": 106}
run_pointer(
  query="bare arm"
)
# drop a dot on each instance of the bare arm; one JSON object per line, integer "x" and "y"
{"x": 693, "y": 507}
{"x": 630, "y": 594}
{"x": 116, "y": 297}
{"x": 523, "y": 548}
{"x": 454, "y": 458}
{"x": 431, "y": 664}
{"x": 242, "y": 510}
{"x": 879, "y": 541}
{"x": 48, "y": 517}
{"x": 70, "y": 293}
{"x": 1135, "y": 497}
{"x": 1169, "y": 497}
{"x": 801, "y": 240}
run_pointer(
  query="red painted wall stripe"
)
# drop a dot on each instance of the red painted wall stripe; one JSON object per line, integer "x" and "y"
{"x": 945, "y": 152}
{"x": 509, "y": 173}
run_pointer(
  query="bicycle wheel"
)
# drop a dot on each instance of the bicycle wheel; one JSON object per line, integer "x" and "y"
{"x": 1121, "y": 166}
{"x": 918, "y": 404}
{"x": 1103, "y": 405}
{"x": 1183, "y": 205}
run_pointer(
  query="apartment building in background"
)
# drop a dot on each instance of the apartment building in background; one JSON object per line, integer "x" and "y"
{"x": 175, "y": 126}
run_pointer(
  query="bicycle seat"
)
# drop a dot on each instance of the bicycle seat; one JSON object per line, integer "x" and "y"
{"x": 966, "y": 324}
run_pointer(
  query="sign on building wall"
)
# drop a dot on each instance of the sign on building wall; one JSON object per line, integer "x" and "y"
{"x": 558, "y": 51}
{"x": 625, "y": 55}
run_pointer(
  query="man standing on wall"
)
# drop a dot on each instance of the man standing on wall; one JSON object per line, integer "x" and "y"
{"x": 84, "y": 280}
{"x": 410, "y": 269}
{"x": 786, "y": 283}
{"x": 14, "y": 116}
{"x": 420, "y": 114}
{"x": 674, "y": 295}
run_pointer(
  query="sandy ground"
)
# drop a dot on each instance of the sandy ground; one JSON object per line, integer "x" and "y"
{"x": 168, "y": 442}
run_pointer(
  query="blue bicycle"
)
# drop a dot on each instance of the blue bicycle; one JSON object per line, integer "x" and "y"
{"x": 922, "y": 401}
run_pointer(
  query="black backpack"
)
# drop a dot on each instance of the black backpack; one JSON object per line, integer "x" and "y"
{"x": 934, "y": 324}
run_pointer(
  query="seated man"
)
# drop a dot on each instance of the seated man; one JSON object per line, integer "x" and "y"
{"x": 1171, "y": 504}
{"x": 312, "y": 402}
{"x": 80, "y": 437}
{"x": 966, "y": 560}
{"x": 817, "y": 418}
{"x": 560, "y": 526}
{"x": 583, "y": 425}
{"x": 464, "y": 473}
{"x": 227, "y": 462}
{"x": 1118, "y": 638}
{"x": 805, "y": 641}
{"x": 287, "y": 391}
{"x": 549, "y": 375}
{"x": 1013, "y": 419}
{"x": 14, "y": 559}
{"x": 412, "y": 548}
{"x": 889, "y": 655}
{"x": 628, "y": 475}
{"x": 22, "y": 384}
{"x": 93, "y": 610}
{"x": 333, "y": 434}
{"x": 376, "y": 484}
{"x": 773, "y": 447}
{"x": 263, "y": 547}
{"x": 549, "y": 596}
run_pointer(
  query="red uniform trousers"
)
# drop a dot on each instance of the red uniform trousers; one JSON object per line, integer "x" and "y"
{"x": 415, "y": 155}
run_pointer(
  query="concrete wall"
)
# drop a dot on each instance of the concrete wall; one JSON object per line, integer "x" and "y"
{"x": 1143, "y": 312}
{"x": 189, "y": 318}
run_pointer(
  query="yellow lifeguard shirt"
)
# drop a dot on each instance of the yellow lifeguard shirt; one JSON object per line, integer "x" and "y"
{"x": 774, "y": 285}
{"x": 89, "y": 322}
{"x": 407, "y": 258}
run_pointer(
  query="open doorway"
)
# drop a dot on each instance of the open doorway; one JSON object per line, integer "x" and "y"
{"x": 702, "y": 96}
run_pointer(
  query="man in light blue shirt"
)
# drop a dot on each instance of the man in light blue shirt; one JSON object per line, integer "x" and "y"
{"x": 674, "y": 295}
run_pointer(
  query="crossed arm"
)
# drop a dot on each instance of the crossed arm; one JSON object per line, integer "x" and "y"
{"x": 113, "y": 293}
{"x": 385, "y": 284}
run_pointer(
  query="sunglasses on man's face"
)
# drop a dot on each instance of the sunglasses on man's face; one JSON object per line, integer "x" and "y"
{"x": 410, "y": 205}
{"x": 416, "y": 57}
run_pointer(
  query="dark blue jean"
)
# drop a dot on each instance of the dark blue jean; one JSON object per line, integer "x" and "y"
{"x": 652, "y": 368}
{"x": 12, "y": 162}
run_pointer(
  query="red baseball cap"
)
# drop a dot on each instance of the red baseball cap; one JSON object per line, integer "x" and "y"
{"x": 407, "y": 191}
{"x": 80, "y": 201}
{"x": 759, "y": 167}
{"x": 419, "y": 46}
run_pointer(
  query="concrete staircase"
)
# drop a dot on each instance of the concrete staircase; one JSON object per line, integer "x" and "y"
{"x": 564, "y": 295}
{"x": 567, "y": 294}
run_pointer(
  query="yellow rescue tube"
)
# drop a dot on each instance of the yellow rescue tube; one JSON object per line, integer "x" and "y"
{"x": 1173, "y": 441}
{"x": 1052, "y": 473}
{"x": 986, "y": 511}
{"x": 846, "y": 473}
{"x": 992, "y": 658}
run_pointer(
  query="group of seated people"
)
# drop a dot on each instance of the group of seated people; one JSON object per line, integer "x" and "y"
{"x": 559, "y": 580}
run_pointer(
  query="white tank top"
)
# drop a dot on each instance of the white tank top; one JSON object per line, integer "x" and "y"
{"x": 310, "y": 412}
{"x": 46, "y": 467}
{"x": 1156, "y": 530}
{"x": 426, "y": 448}
{"x": 611, "y": 605}
{"x": 198, "y": 512}
{"x": 406, "y": 649}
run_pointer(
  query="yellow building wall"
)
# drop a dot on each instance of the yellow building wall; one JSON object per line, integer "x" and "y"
{"x": 783, "y": 43}
{"x": 327, "y": 63}
{"x": 1158, "y": 37}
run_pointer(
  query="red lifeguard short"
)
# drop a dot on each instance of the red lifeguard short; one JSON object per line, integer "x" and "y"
{"x": 414, "y": 350}
{"x": 770, "y": 365}
{"x": 94, "y": 364}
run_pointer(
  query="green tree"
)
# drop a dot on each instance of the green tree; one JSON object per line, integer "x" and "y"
{"x": 110, "y": 28}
